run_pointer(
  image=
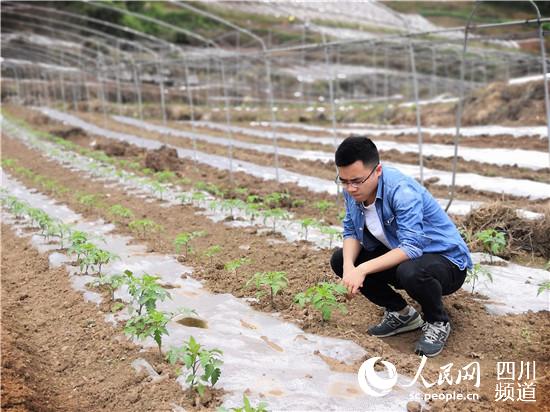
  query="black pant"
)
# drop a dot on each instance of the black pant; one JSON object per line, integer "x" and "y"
{"x": 425, "y": 279}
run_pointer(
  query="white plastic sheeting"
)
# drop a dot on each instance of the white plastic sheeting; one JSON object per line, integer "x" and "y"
{"x": 530, "y": 159}
{"x": 527, "y": 79}
{"x": 513, "y": 289}
{"x": 467, "y": 131}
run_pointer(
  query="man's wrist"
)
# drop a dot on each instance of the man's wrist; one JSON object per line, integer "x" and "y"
{"x": 364, "y": 269}
{"x": 349, "y": 265}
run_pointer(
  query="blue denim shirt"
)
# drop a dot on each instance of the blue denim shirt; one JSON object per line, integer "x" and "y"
{"x": 412, "y": 220}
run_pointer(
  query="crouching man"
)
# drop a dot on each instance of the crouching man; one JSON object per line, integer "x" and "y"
{"x": 396, "y": 236}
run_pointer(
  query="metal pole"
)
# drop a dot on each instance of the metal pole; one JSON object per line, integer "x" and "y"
{"x": 460, "y": 106}
{"x": 161, "y": 84}
{"x": 191, "y": 107}
{"x": 46, "y": 87}
{"x": 267, "y": 61}
{"x": 73, "y": 89}
{"x": 117, "y": 78}
{"x": 330, "y": 67}
{"x": 544, "y": 75}
{"x": 418, "y": 127}
{"x": 137, "y": 85}
{"x": 228, "y": 120}
{"x": 433, "y": 86}
{"x": 100, "y": 80}
{"x": 17, "y": 84}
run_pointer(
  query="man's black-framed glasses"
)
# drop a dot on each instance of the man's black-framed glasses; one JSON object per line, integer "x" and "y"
{"x": 355, "y": 182}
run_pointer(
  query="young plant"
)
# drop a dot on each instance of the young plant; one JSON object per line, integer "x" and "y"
{"x": 165, "y": 176}
{"x": 184, "y": 181}
{"x": 247, "y": 407}
{"x": 86, "y": 256}
{"x": 88, "y": 200}
{"x": 59, "y": 230}
{"x": 323, "y": 297}
{"x": 307, "y": 223}
{"x": 494, "y": 242}
{"x": 231, "y": 204}
{"x": 134, "y": 165}
{"x": 195, "y": 358}
{"x": 103, "y": 257}
{"x": 158, "y": 188}
{"x": 212, "y": 251}
{"x": 274, "y": 281}
{"x": 252, "y": 208}
{"x": 151, "y": 324}
{"x": 17, "y": 207}
{"x": 323, "y": 206}
{"x": 276, "y": 199}
{"x": 119, "y": 211}
{"x": 544, "y": 286}
{"x": 183, "y": 240}
{"x": 332, "y": 232}
{"x": 241, "y": 191}
{"x": 184, "y": 198}
{"x": 145, "y": 291}
{"x": 112, "y": 283}
{"x": 40, "y": 219}
{"x": 274, "y": 214}
{"x": 77, "y": 239}
{"x": 234, "y": 265}
{"x": 476, "y": 273}
{"x": 144, "y": 227}
{"x": 198, "y": 197}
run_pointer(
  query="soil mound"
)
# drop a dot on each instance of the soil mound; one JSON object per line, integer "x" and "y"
{"x": 498, "y": 103}
{"x": 164, "y": 158}
{"x": 119, "y": 149}
{"x": 522, "y": 235}
{"x": 69, "y": 133}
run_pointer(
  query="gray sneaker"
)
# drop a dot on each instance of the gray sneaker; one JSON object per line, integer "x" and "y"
{"x": 434, "y": 336}
{"x": 393, "y": 323}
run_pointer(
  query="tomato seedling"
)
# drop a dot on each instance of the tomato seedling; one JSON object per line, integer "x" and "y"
{"x": 274, "y": 281}
{"x": 194, "y": 357}
{"x": 323, "y": 297}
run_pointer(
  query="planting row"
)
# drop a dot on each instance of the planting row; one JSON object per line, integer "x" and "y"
{"x": 254, "y": 210}
{"x": 147, "y": 314}
{"x": 498, "y": 185}
{"x": 529, "y": 159}
{"x": 490, "y": 239}
{"x": 224, "y": 163}
{"x": 246, "y": 210}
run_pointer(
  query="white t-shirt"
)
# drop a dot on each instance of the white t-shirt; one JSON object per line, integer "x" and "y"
{"x": 373, "y": 224}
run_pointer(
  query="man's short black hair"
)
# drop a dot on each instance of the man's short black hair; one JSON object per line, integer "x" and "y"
{"x": 356, "y": 148}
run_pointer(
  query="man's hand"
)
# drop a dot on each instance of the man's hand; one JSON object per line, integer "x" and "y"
{"x": 353, "y": 279}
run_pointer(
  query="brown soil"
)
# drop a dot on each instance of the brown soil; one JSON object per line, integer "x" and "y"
{"x": 58, "y": 353}
{"x": 521, "y": 236}
{"x": 486, "y": 141}
{"x": 433, "y": 162}
{"x": 476, "y": 334}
